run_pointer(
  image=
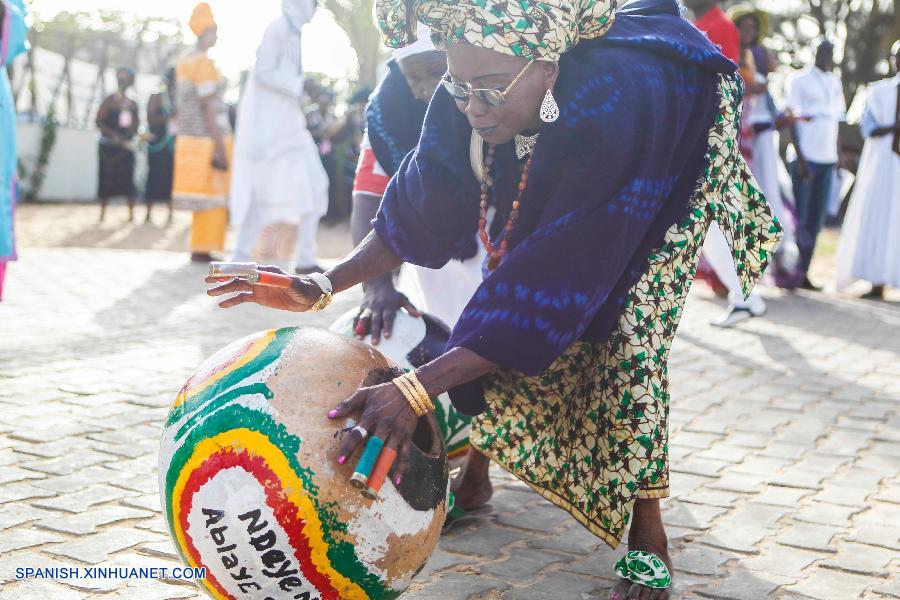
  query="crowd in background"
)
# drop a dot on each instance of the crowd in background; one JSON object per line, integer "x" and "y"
{"x": 790, "y": 139}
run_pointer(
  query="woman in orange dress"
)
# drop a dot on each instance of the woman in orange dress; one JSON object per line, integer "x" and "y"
{"x": 203, "y": 149}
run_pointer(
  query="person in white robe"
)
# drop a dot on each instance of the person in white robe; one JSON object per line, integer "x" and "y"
{"x": 278, "y": 176}
{"x": 869, "y": 248}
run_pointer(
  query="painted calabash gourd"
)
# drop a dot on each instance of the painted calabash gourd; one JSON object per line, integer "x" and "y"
{"x": 251, "y": 489}
{"x": 414, "y": 342}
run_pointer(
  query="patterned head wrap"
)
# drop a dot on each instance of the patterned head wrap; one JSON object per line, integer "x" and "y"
{"x": 202, "y": 19}
{"x": 534, "y": 29}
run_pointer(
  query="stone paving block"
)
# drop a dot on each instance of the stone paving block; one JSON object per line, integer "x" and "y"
{"x": 877, "y": 535}
{"x": 523, "y": 565}
{"x": 45, "y": 590}
{"x": 711, "y": 497}
{"x": 782, "y": 496}
{"x": 745, "y": 585}
{"x": 439, "y": 561}
{"x": 820, "y": 538}
{"x": 447, "y": 586}
{"x": 700, "y": 559}
{"x": 783, "y": 449}
{"x": 760, "y": 465}
{"x": 88, "y": 522}
{"x": 826, "y": 514}
{"x": 691, "y": 439}
{"x": 684, "y": 483}
{"x": 780, "y": 560}
{"x": 704, "y": 467}
{"x": 744, "y": 483}
{"x": 47, "y": 449}
{"x": 80, "y": 501}
{"x": 48, "y": 431}
{"x": 68, "y": 463}
{"x": 543, "y": 518}
{"x": 143, "y": 464}
{"x": 13, "y": 474}
{"x": 876, "y": 462}
{"x": 694, "y": 516}
{"x": 96, "y": 548}
{"x": 890, "y": 492}
{"x": 745, "y": 527}
{"x": 82, "y": 478}
{"x": 14, "y": 514}
{"x": 144, "y": 484}
{"x": 156, "y": 524}
{"x": 21, "y": 538}
{"x": 726, "y": 451}
{"x": 166, "y": 549}
{"x": 597, "y": 564}
{"x": 554, "y": 586}
{"x": 870, "y": 410}
{"x": 149, "y": 502}
{"x": 765, "y": 421}
{"x": 851, "y": 488}
{"x": 853, "y": 424}
{"x": 573, "y": 539}
{"x": 8, "y": 457}
{"x": 861, "y": 559}
{"x": 483, "y": 540}
{"x": 10, "y": 561}
{"x": 13, "y": 492}
{"x": 843, "y": 442}
{"x": 828, "y": 584}
{"x": 750, "y": 439}
{"x": 798, "y": 477}
{"x": 887, "y": 589}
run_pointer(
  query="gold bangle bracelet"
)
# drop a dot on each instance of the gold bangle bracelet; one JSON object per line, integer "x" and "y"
{"x": 420, "y": 389}
{"x": 402, "y": 386}
{"x": 408, "y": 391}
{"x": 423, "y": 400}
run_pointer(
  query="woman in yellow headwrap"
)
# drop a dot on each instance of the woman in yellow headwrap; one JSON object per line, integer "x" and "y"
{"x": 202, "y": 175}
{"x": 603, "y": 143}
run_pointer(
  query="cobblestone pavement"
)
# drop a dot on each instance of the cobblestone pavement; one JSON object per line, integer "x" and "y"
{"x": 785, "y": 443}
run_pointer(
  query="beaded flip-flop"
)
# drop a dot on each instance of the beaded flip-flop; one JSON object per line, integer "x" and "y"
{"x": 644, "y": 568}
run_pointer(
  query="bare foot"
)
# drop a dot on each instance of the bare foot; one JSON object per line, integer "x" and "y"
{"x": 473, "y": 488}
{"x": 648, "y": 534}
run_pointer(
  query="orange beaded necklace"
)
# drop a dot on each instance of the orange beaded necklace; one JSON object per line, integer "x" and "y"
{"x": 496, "y": 254}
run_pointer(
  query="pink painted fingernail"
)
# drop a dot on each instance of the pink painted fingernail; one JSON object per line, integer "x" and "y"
{"x": 342, "y": 460}
{"x": 398, "y": 480}
{"x": 615, "y": 596}
{"x": 332, "y": 414}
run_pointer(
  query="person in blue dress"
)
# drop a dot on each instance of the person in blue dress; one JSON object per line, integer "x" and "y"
{"x": 13, "y": 42}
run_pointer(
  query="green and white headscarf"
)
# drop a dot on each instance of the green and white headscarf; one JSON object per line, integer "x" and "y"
{"x": 534, "y": 29}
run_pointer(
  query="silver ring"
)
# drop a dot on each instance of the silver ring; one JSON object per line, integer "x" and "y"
{"x": 362, "y": 431}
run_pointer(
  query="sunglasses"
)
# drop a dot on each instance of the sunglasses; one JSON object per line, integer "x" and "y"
{"x": 462, "y": 91}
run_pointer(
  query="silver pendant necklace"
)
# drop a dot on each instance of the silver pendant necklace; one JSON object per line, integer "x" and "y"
{"x": 525, "y": 144}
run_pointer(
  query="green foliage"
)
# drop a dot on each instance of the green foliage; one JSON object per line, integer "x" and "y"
{"x": 48, "y": 141}
{"x": 119, "y": 24}
{"x": 355, "y": 17}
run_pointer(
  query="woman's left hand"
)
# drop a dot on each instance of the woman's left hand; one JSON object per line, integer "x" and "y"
{"x": 385, "y": 413}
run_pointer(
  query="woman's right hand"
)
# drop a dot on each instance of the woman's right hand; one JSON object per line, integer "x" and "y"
{"x": 300, "y": 297}
{"x": 379, "y": 309}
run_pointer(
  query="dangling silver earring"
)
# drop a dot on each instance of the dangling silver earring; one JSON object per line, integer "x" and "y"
{"x": 549, "y": 108}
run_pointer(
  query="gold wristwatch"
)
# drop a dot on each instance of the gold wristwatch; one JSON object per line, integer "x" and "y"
{"x": 327, "y": 291}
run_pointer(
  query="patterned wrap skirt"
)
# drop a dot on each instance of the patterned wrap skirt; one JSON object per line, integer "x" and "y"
{"x": 591, "y": 433}
{"x": 199, "y": 187}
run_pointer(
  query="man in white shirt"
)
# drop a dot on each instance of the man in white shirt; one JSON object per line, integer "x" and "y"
{"x": 278, "y": 175}
{"x": 816, "y": 100}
